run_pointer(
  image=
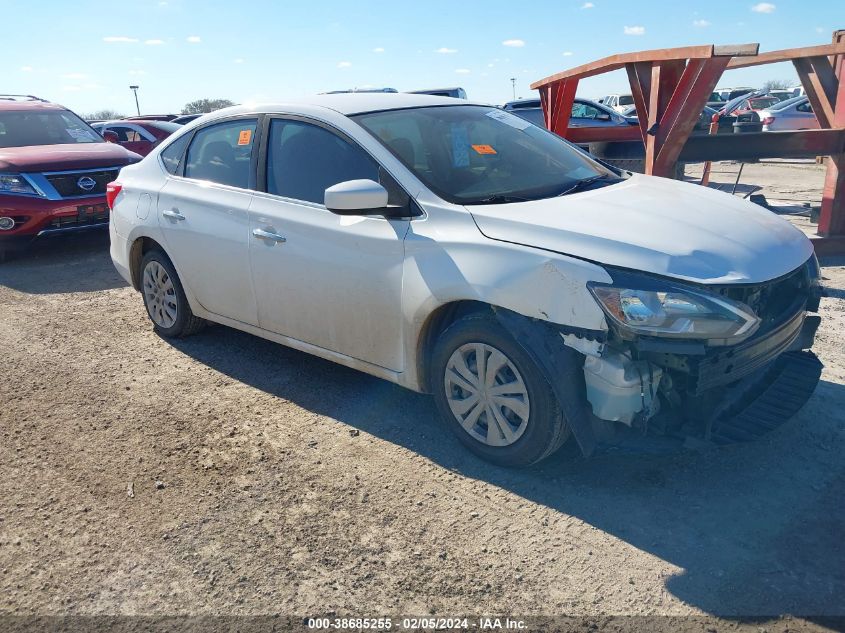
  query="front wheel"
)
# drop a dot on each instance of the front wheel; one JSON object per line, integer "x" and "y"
{"x": 493, "y": 396}
{"x": 164, "y": 298}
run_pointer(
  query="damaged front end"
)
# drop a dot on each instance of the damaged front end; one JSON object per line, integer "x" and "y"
{"x": 706, "y": 364}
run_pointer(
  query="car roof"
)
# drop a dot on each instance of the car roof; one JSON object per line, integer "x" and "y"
{"x": 14, "y": 105}
{"x": 534, "y": 102}
{"x": 349, "y": 103}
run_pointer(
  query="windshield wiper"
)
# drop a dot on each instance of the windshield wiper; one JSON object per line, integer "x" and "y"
{"x": 582, "y": 184}
{"x": 500, "y": 199}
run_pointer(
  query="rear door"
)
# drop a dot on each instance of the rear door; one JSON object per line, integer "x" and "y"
{"x": 203, "y": 211}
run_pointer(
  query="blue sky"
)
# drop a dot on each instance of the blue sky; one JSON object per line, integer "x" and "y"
{"x": 86, "y": 53}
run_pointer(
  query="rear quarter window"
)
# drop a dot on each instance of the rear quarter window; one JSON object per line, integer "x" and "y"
{"x": 171, "y": 156}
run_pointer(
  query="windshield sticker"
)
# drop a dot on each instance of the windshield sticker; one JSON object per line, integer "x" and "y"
{"x": 508, "y": 119}
{"x": 460, "y": 141}
{"x": 79, "y": 135}
{"x": 484, "y": 149}
{"x": 244, "y": 137}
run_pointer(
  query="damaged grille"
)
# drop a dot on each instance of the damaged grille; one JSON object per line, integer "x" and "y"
{"x": 773, "y": 301}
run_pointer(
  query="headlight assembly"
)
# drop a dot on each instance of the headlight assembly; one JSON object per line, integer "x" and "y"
{"x": 664, "y": 309}
{"x": 16, "y": 184}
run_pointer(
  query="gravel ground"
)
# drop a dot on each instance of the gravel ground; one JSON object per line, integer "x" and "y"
{"x": 224, "y": 474}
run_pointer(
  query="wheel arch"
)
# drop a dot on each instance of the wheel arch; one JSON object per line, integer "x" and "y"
{"x": 141, "y": 246}
{"x": 435, "y": 324}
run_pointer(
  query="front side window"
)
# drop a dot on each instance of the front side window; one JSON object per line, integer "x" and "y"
{"x": 303, "y": 160}
{"x": 23, "y": 128}
{"x": 477, "y": 154}
{"x": 222, "y": 153}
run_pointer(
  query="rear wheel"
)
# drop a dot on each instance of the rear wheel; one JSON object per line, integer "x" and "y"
{"x": 164, "y": 298}
{"x": 493, "y": 396}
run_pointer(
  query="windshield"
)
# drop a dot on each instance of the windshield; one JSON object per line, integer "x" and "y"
{"x": 21, "y": 128}
{"x": 480, "y": 154}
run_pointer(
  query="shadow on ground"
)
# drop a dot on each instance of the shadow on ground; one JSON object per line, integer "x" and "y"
{"x": 757, "y": 528}
{"x": 68, "y": 263}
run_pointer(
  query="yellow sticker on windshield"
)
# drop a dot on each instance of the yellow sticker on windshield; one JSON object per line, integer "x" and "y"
{"x": 244, "y": 137}
{"x": 484, "y": 149}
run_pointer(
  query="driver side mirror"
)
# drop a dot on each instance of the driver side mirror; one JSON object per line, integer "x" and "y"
{"x": 356, "y": 197}
{"x": 604, "y": 116}
{"x": 111, "y": 137}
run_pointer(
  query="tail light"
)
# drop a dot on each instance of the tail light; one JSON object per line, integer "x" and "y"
{"x": 112, "y": 189}
{"x": 768, "y": 120}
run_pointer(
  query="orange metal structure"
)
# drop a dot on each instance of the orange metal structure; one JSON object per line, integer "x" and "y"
{"x": 670, "y": 88}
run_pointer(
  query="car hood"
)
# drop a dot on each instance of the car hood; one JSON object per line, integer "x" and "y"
{"x": 65, "y": 157}
{"x": 656, "y": 225}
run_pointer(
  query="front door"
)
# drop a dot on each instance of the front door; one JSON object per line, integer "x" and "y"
{"x": 328, "y": 280}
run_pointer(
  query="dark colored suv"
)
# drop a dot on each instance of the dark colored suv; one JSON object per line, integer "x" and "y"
{"x": 54, "y": 169}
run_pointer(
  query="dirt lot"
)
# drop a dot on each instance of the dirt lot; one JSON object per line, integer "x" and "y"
{"x": 225, "y": 474}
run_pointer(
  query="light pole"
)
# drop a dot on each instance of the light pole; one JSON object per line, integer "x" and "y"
{"x": 135, "y": 90}
{"x": 513, "y": 85}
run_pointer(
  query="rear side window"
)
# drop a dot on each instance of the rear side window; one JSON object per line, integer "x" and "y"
{"x": 222, "y": 153}
{"x": 172, "y": 155}
{"x": 303, "y": 160}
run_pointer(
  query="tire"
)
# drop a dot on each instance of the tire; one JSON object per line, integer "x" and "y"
{"x": 164, "y": 298}
{"x": 536, "y": 427}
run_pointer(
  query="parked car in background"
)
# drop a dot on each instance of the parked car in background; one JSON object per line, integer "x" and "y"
{"x": 53, "y": 172}
{"x": 585, "y": 113}
{"x": 151, "y": 117}
{"x": 455, "y": 93}
{"x": 715, "y": 101}
{"x": 727, "y": 94}
{"x": 798, "y": 91}
{"x": 702, "y": 126}
{"x": 780, "y": 95}
{"x": 793, "y": 114}
{"x": 139, "y": 136}
{"x": 456, "y": 249}
{"x": 752, "y": 104}
{"x": 618, "y": 102}
{"x": 185, "y": 118}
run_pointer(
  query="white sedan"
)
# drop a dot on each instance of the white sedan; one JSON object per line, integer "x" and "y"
{"x": 792, "y": 114}
{"x": 456, "y": 249}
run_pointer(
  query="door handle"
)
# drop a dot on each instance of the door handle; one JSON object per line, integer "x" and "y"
{"x": 173, "y": 214}
{"x": 268, "y": 235}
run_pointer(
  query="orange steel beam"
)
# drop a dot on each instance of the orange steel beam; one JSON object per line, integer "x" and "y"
{"x": 639, "y": 76}
{"x": 787, "y": 55}
{"x": 614, "y": 62}
{"x": 671, "y": 86}
{"x": 684, "y": 108}
{"x": 820, "y": 83}
{"x": 832, "y": 214}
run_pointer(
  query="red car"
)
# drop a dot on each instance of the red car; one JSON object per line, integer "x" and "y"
{"x": 53, "y": 172}
{"x": 136, "y": 135}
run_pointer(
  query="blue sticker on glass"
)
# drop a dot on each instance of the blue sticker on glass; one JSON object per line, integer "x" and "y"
{"x": 460, "y": 146}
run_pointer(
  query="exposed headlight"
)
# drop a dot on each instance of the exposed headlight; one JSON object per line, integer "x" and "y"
{"x": 16, "y": 184}
{"x": 667, "y": 310}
